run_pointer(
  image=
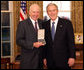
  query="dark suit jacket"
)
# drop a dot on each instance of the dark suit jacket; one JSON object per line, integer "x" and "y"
{"x": 62, "y": 48}
{"x": 25, "y": 37}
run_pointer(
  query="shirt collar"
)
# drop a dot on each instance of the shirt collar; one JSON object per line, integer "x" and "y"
{"x": 56, "y": 20}
{"x": 33, "y": 21}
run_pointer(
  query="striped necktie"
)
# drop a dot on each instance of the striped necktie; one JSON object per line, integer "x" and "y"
{"x": 36, "y": 26}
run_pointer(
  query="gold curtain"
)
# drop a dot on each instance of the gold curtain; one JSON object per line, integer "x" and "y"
{"x": 77, "y": 16}
{"x": 16, "y": 10}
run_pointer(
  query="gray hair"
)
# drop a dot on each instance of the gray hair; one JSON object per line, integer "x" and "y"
{"x": 51, "y": 4}
{"x": 33, "y": 5}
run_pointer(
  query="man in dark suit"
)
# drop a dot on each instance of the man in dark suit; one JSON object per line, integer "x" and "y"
{"x": 26, "y": 38}
{"x": 59, "y": 35}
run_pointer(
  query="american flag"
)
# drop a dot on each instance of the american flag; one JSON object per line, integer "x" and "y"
{"x": 23, "y": 11}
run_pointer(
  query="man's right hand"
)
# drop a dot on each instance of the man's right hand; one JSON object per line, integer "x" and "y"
{"x": 37, "y": 44}
{"x": 45, "y": 63}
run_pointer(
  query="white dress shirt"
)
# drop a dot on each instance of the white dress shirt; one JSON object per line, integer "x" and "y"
{"x": 33, "y": 22}
{"x": 56, "y": 21}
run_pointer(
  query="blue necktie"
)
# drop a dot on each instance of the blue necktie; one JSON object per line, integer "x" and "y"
{"x": 53, "y": 30}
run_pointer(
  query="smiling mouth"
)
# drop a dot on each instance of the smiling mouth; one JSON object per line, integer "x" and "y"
{"x": 35, "y": 16}
{"x": 53, "y": 16}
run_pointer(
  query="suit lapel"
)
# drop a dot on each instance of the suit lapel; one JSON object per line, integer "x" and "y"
{"x": 49, "y": 28}
{"x": 31, "y": 26}
{"x": 59, "y": 24}
{"x": 40, "y": 24}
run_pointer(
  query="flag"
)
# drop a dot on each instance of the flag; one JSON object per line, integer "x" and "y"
{"x": 23, "y": 11}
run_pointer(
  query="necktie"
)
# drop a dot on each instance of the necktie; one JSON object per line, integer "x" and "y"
{"x": 36, "y": 26}
{"x": 53, "y": 30}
